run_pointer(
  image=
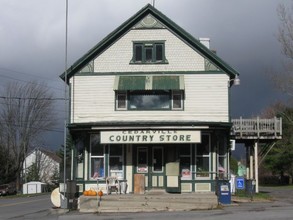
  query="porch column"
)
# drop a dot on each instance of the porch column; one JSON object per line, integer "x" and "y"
{"x": 86, "y": 167}
{"x": 129, "y": 167}
{"x": 247, "y": 161}
{"x": 250, "y": 163}
{"x": 256, "y": 166}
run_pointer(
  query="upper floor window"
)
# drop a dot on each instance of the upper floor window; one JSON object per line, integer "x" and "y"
{"x": 149, "y": 52}
{"x": 149, "y": 100}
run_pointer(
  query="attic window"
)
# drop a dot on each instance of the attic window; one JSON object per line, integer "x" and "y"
{"x": 148, "y": 53}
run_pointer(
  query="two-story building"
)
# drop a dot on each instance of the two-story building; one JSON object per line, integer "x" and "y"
{"x": 150, "y": 99}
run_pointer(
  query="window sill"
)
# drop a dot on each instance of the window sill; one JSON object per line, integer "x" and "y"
{"x": 137, "y": 110}
{"x": 148, "y": 63}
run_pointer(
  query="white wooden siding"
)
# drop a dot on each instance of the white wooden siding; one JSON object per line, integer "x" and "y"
{"x": 180, "y": 56}
{"x": 93, "y": 100}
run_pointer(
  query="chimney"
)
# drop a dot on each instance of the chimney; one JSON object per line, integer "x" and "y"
{"x": 205, "y": 41}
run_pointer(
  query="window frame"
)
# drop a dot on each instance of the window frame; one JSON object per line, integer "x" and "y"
{"x": 222, "y": 160}
{"x": 127, "y": 104}
{"x": 175, "y": 93}
{"x": 121, "y": 93}
{"x": 185, "y": 172}
{"x": 154, "y": 162}
{"x": 205, "y": 174}
{"x": 146, "y": 46}
{"x": 117, "y": 172}
{"x": 139, "y": 166}
{"x": 94, "y": 157}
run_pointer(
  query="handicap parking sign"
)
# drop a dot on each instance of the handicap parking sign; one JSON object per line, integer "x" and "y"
{"x": 240, "y": 183}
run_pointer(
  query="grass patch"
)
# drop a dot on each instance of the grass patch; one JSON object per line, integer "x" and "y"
{"x": 242, "y": 194}
{"x": 279, "y": 186}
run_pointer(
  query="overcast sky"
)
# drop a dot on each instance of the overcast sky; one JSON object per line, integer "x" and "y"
{"x": 244, "y": 33}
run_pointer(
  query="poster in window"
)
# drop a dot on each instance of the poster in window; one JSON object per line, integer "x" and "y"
{"x": 142, "y": 169}
{"x": 185, "y": 173}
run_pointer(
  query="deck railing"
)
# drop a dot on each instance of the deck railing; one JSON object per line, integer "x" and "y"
{"x": 257, "y": 128}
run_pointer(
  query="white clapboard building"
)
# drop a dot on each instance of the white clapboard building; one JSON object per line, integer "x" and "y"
{"x": 150, "y": 102}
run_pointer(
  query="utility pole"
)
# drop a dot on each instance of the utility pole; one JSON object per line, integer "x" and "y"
{"x": 64, "y": 203}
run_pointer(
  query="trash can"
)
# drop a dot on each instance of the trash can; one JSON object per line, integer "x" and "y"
{"x": 123, "y": 186}
{"x": 72, "y": 189}
{"x": 224, "y": 192}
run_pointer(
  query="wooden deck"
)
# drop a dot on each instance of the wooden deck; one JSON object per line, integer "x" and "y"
{"x": 257, "y": 128}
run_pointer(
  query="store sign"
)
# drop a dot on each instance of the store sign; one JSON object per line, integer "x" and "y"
{"x": 150, "y": 136}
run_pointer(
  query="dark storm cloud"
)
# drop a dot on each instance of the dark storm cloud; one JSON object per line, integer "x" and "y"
{"x": 32, "y": 39}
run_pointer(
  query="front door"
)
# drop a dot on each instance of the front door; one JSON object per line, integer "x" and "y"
{"x": 150, "y": 162}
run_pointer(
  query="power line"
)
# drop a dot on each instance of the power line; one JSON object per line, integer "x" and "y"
{"x": 34, "y": 75}
{"x": 55, "y": 108}
{"x": 30, "y": 98}
{"x": 20, "y": 80}
{"x": 44, "y": 129}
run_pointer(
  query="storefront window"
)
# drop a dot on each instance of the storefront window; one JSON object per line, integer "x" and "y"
{"x": 116, "y": 161}
{"x": 185, "y": 162}
{"x": 203, "y": 157}
{"x": 97, "y": 165}
{"x": 80, "y": 159}
{"x": 222, "y": 160}
{"x": 158, "y": 159}
{"x": 142, "y": 160}
{"x": 97, "y": 157}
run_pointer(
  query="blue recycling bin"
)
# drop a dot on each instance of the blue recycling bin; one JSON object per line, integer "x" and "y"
{"x": 224, "y": 192}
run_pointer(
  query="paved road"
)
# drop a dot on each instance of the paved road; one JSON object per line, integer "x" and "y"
{"x": 18, "y": 207}
{"x": 280, "y": 194}
{"x": 40, "y": 208}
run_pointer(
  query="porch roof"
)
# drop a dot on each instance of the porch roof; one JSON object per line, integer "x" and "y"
{"x": 158, "y": 125}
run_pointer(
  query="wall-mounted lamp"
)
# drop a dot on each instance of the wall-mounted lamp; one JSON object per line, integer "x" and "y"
{"x": 235, "y": 81}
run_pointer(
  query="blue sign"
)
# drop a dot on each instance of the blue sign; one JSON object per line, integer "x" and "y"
{"x": 240, "y": 183}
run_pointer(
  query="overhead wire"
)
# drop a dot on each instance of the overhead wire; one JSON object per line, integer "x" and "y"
{"x": 30, "y": 74}
{"x": 44, "y": 129}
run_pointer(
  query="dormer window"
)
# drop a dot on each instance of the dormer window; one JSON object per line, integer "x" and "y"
{"x": 148, "y": 52}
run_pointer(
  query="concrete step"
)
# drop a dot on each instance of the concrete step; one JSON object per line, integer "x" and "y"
{"x": 148, "y": 202}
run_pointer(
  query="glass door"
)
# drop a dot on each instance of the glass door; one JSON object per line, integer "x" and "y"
{"x": 157, "y": 172}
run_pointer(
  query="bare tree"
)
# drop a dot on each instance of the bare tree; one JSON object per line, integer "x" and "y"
{"x": 26, "y": 112}
{"x": 284, "y": 79}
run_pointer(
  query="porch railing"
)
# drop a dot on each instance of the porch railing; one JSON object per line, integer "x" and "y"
{"x": 257, "y": 128}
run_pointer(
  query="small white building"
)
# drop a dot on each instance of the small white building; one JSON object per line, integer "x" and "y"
{"x": 34, "y": 187}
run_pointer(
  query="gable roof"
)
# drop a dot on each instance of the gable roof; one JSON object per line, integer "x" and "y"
{"x": 128, "y": 24}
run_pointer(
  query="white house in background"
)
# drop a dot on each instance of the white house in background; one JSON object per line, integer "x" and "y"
{"x": 47, "y": 162}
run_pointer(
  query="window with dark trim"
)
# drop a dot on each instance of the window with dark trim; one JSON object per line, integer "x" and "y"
{"x": 97, "y": 157}
{"x": 149, "y": 52}
{"x": 203, "y": 156}
{"x": 121, "y": 100}
{"x": 149, "y": 100}
{"x": 116, "y": 161}
{"x": 185, "y": 162}
{"x": 177, "y": 100}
